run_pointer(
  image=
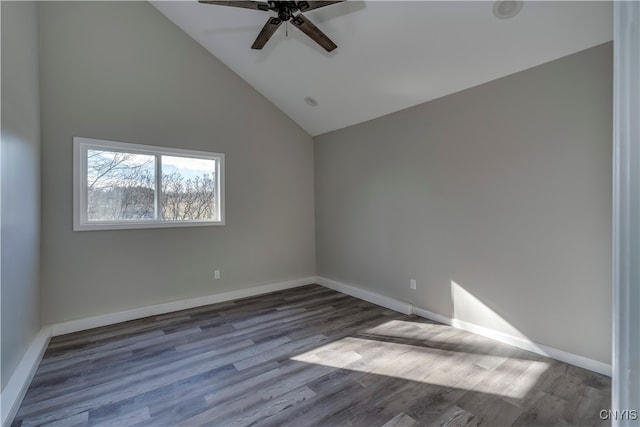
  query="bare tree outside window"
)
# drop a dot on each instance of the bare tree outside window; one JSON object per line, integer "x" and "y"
{"x": 121, "y": 186}
{"x": 188, "y": 189}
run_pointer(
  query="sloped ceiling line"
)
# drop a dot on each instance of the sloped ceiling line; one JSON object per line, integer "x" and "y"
{"x": 391, "y": 55}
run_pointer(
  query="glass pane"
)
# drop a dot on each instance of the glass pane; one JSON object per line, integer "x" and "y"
{"x": 120, "y": 186}
{"x": 188, "y": 189}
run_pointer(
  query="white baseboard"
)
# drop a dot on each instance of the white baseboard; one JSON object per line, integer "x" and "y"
{"x": 523, "y": 343}
{"x": 372, "y": 297}
{"x": 13, "y": 393}
{"x": 154, "y": 310}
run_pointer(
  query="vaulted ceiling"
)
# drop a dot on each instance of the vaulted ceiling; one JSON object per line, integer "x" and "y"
{"x": 391, "y": 55}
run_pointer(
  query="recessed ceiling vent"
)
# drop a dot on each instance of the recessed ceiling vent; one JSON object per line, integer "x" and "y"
{"x": 311, "y": 101}
{"x": 505, "y": 9}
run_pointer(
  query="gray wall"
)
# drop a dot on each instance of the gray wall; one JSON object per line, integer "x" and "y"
{"x": 121, "y": 71}
{"x": 503, "y": 189}
{"x": 20, "y": 234}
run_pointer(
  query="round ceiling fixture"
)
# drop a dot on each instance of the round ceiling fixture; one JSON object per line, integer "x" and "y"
{"x": 310, "y": 101}
{"x": 505, "y": 9}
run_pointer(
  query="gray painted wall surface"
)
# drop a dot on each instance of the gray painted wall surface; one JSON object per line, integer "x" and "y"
{"x": 121, "y": 71}
{"x": 503, "y": 189}
{"x": 20, "y": 241}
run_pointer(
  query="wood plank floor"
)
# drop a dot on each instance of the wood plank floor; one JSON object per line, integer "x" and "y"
{"x": 304, "y": 356}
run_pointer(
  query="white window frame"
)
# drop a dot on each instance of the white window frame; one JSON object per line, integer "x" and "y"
{"x": 80, "y": 192}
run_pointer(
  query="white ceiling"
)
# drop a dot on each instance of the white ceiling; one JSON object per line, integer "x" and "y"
{"x": 391, "y": 55}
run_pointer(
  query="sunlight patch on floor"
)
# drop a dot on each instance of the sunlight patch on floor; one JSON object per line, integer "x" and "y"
{"x": 406, "y": 329}
{"x": 428, "y": 365}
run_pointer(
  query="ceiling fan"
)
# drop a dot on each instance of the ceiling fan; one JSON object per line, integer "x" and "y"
{"x": 286, "y": 11}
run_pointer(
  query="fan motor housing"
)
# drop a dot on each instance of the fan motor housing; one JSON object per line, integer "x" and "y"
{"x": 285, "y": 9}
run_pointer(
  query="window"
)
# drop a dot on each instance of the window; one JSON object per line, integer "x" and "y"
{"x": 119, "y": 185}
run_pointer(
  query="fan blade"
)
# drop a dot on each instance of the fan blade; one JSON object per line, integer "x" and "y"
{"x": 310, "y": 5}
{"x": 267, "y": 31}
{"x": 313, "y": 32}
{"x": 256, "y": 5}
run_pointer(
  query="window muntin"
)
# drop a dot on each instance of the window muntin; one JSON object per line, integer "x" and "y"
{"x": 120, "y": 185}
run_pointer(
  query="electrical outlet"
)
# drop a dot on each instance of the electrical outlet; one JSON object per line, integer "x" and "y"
{"x": 412, "y": 284}
{"x": 216, "y": 274}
